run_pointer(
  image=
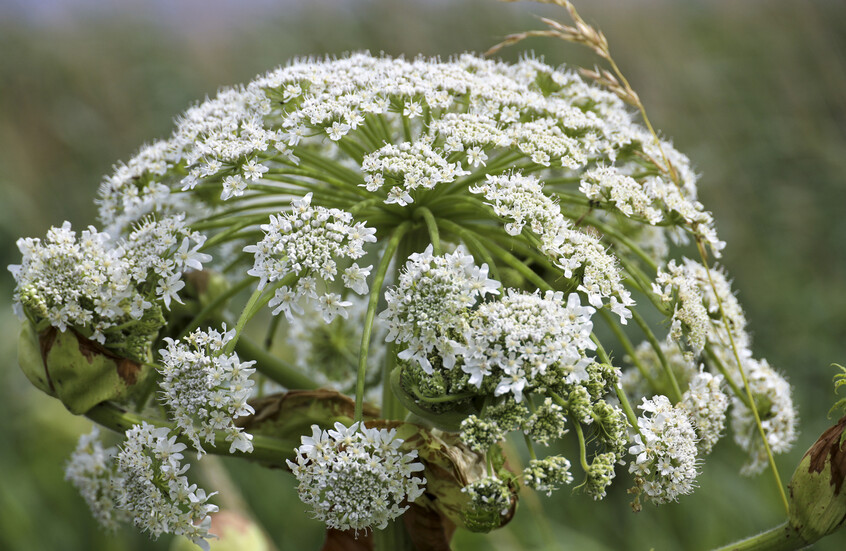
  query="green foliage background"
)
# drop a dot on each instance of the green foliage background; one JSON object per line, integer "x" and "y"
{"x": 754, "y": 92}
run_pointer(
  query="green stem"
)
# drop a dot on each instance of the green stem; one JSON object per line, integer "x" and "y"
{"x": 582, "y": 449}
{"x": 530, "y": 446}
{"x": 754, "y": 409}
{"x": 273, "y": 367}
{"x": 660, "y": 353}
{"x": 432, "y": 226}
{"x": 627, "y": 346}
{"x": 271, "y": 451}
{"x": 726, "y": 375}
{"x": 373, "y": 301}
{"x": 218, "y": 301}
{"x": 781, "y": 538}
{"x": 246, "y": 314}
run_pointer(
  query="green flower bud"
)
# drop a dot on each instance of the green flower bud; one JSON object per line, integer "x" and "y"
{"x": 78, "y": 371}
{"x": 817, "y": 494}
{"x": 580, "y": 406}
{"x": 490, "y": 502}
{"x": 548, "y": 423}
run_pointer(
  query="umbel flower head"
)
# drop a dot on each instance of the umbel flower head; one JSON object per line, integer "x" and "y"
{"x": 142, "y": 481}
{"x": 356, "y": 478}
{"x": 202, "y": 385}
{"x": 481, "y": 217}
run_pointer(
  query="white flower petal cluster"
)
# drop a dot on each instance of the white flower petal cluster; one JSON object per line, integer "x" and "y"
{"x": 510, "y": 342}
{"x": 665, "y": 455}
{"x": 308, "y": 242}
{"x": 90, "y": 470}
{"x": 429, "y": 307}
{"x": 161, "y": 250}
{"x": 706, "y": 405}
{"x": 444, "y": 116}
{"x": 653, "y": 199}
{"x": 522, "y": 200}
{"x": 94, "y": 282}
{"x": 153, "y": 488}
{"x": 688, "y": 287}
{"x": 201, "y": 385}
{"x": 355, "y": 478}
{"x": 405, "y": 167}
{"x": 772, "y": 397}
{"x": 628, "y": 195}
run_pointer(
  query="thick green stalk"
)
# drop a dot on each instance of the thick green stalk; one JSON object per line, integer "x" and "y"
{"x": 432, "y": 227}
{"x": 781, "y": 538}
{"x": 373, "y": 301}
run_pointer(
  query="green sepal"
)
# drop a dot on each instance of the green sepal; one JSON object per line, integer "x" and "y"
{"x": 79, "y": 372}
{"x": 817, "y": 493}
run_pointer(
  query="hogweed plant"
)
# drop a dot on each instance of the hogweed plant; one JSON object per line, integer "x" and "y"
{"x": 443, "y": 243}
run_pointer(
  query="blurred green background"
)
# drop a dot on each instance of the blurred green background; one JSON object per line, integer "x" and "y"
{"x": 754, "y": 92}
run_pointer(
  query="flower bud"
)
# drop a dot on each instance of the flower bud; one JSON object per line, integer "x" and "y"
{"x": 76, "y": 370}
{"x": 817, "y": 495}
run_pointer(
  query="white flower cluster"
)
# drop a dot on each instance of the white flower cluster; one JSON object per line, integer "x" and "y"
{"x": 95, "y": 283}
{"x": 202, "y": 385}
{"x": 307, "y": 242}
{"x": 665, "y": 451}
{"x": 355, "y": 478}
{"x": 429, "y": 307}
{"x": 652, "y": 199}
{"x": 154, "y": 490}
{"x": 706, "y": 405}
{"x": 772, "y": 397}
{"x": 628, "y": 195}
{"x": 436, "y": 117}
{"x": 413, "y": 165}
{"x": 160, "y": 251}
{"x": 688, "y": 287}
{"x": 90, "y": 470}
{"x": 510, "y": 342}
{"x": 521, "y": 199}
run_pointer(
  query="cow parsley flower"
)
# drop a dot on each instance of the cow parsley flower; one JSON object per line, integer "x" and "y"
{"x": 355, "y": 478}
{"x": 104, "y": 286}
{"x": 665, "y": 451}
{"x": 548, "y": 474}
{"x": 90, "y": 470}
{"x": 772, "y": 397}
{"x": 511, "y": 342}
{"x": 521, "y": 200}
{"x": 687, "y": 286}
{"x": 153, "y": 490}
{"x": 706, "y": 405}
{"x": 203, "y": 386}
{"x": 308, "y": 242}
{"x": 429, "y": 307}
